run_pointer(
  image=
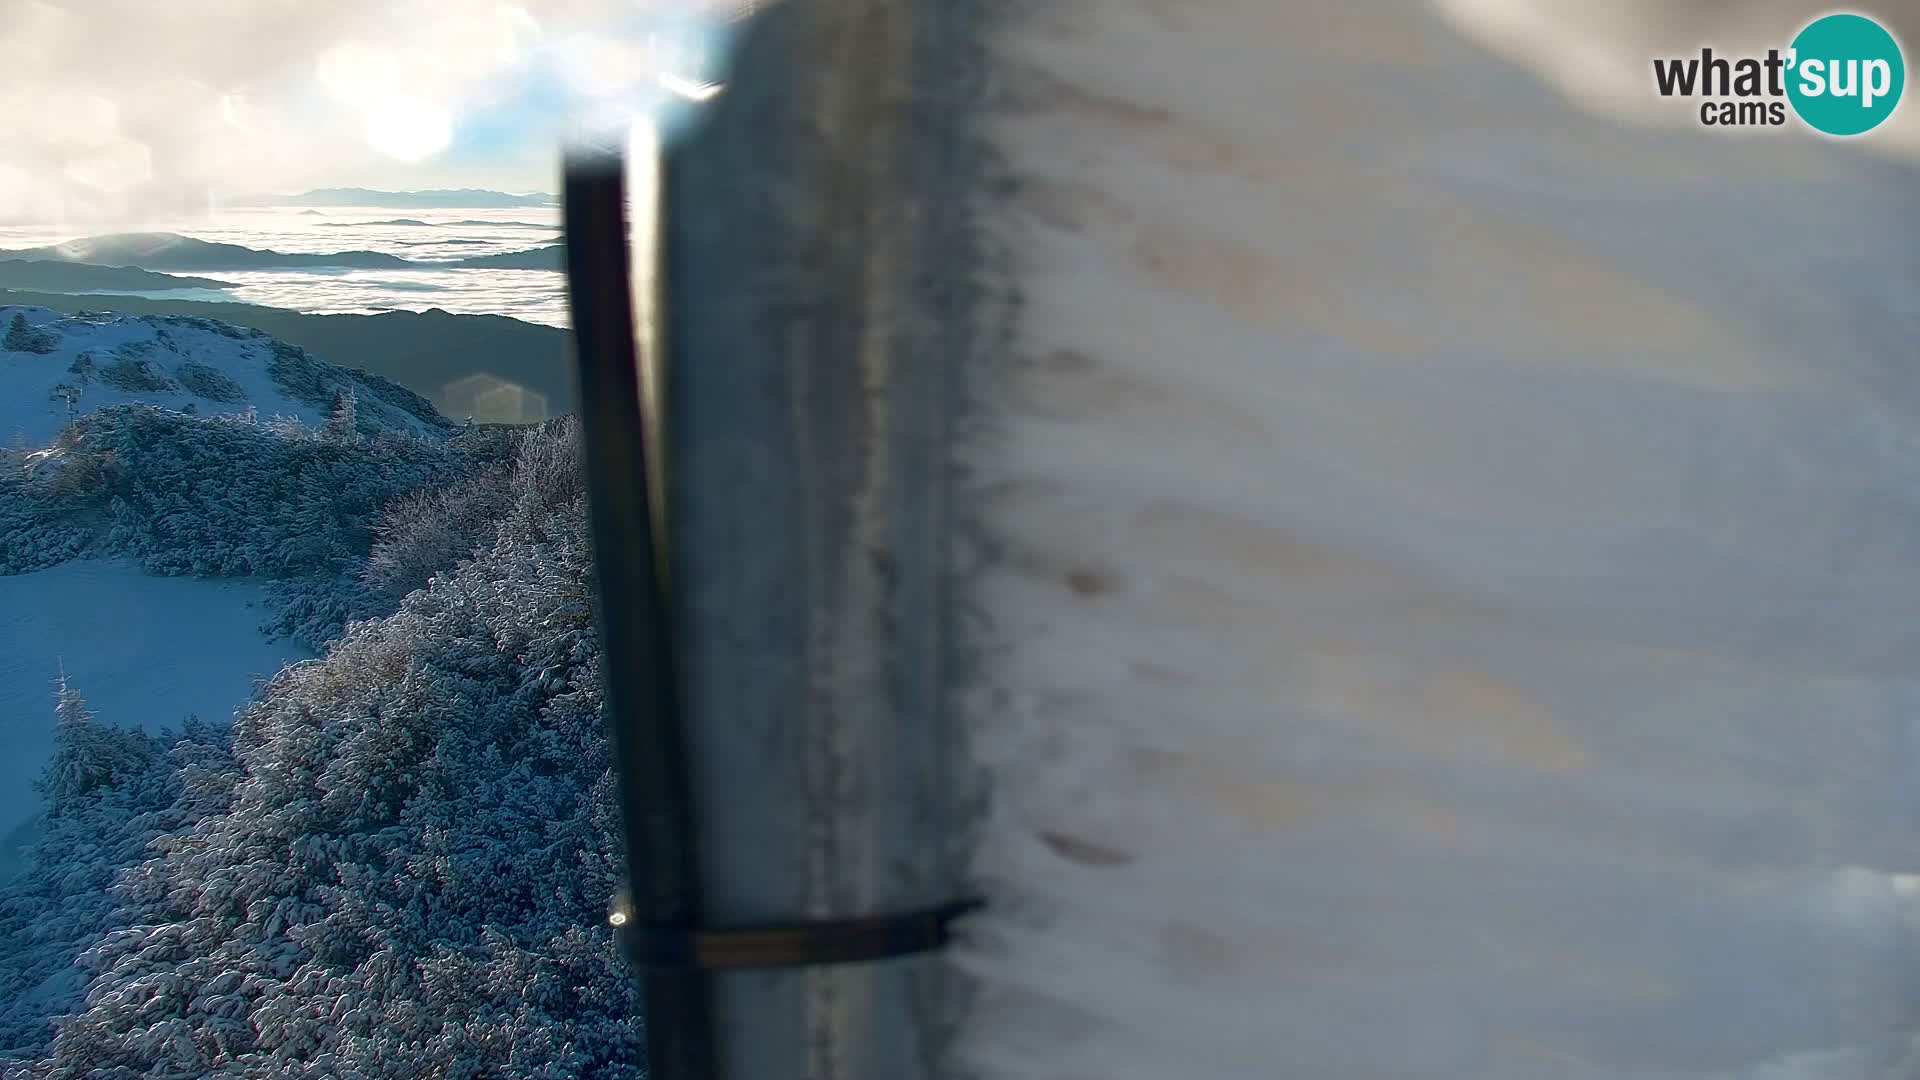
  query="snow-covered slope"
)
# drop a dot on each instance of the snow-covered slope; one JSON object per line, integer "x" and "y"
{"x": 53, "y": 368}
{"x": 150, "y": 650}
{"x": 413, "y": 831}
{"x": 1455, "y": 605}
{"x": 146, "y": 651}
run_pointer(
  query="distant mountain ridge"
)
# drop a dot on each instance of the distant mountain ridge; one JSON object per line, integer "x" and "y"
{"x": 56, "y": 275}
{"x": 389, "y": 221}
{"x": 547, "y": 257}
{"x": 443, "y": 199}
{"x": 504, "y": 224}
{"x": 464, "y": 222}
{"x": 172, "y": 251}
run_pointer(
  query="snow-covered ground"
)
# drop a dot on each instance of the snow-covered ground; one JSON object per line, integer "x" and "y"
{"x": 113, "y": 360}
{"x": 1458, "y": 605}
{"x": 144, "y": 651}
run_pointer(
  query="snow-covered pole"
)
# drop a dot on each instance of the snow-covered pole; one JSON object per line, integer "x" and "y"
{"x": 805, "y": 264}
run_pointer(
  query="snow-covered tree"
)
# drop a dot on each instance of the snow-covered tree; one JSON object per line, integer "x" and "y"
{"x": 108, "y": 793}
{"x": 82, "y": 759}
{"x": 21, "y": 337}
{"x": 343, "y": 423}
{"x": 88, "y": 755}
{"x": 217, "y": 495}
{"x": 132, "y": 372}
{"x": 431, "y": 530}
{"x": 208, "y": 382}
{"x": 398, "y": 864}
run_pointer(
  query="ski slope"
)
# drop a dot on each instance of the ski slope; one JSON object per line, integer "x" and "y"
{"x": 1455, "y": 557}
{"x": 144, "y": 651}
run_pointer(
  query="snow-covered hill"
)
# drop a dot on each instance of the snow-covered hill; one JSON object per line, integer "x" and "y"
{"x": 56, "y": 368}
{"x": 166, "y": 548}
{"x": 413, "y": 830}
{"x": 105, "y": 621}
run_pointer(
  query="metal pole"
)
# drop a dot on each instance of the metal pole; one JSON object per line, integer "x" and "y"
{"x": 642, "y": 696}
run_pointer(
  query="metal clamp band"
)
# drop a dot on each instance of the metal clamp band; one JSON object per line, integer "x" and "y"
{"x": 814, "y": 943}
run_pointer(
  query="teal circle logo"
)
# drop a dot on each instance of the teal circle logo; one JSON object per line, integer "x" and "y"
{"x": 1845, "y": 74}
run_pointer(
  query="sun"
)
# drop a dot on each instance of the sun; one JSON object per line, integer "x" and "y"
{"x": 409, "y": 128}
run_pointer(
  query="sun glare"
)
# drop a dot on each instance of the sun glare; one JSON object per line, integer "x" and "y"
{"x": 409, "y": 128}
{"x": 687, "y": 88}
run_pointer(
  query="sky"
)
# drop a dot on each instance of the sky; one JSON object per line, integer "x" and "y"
{"x": 118, "y": 110}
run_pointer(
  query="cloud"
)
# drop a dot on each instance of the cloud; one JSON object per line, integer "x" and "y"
{"x": 119, "y": 110}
